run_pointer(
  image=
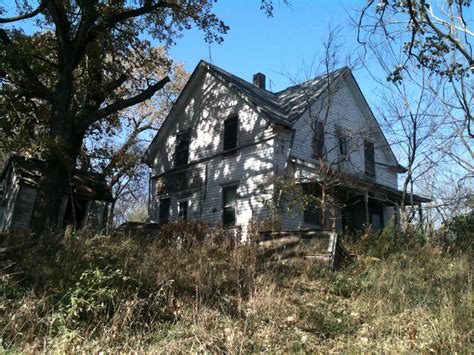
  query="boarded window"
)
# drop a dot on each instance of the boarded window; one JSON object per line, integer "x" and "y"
{"x": 182, "y": 149}
{"x": 164, "y": 213}
{"x": 231, "y": 127}
{"x": 183, "y": 210}
{"x": 369, "y": 158}
{"x": 229, "y": 202}
{"x": 318, "y": 139}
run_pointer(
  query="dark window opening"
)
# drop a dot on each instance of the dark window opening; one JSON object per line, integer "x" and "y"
{"x": 369, "y": 158}
{"x": 318, "y": 139}
{"x": 229, "y": 202}
{"x": 312, "y": 211}
{"x": 182, "y": 149}
{"x": 343, "y": 146}
{"x": 164, "y": 213}
{"x": 231, "y": 127}
{"x": 312, "y": 214}
{"x": 183, "y": 210}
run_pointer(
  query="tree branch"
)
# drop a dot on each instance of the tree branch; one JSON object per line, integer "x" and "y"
{"x": 26, "y": 16}
{"x": 123, "y": 103}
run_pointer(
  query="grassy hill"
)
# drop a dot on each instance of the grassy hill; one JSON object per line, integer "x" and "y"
{"x": 403, "y": 293}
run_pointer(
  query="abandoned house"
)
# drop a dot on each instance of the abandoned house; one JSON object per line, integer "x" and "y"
{"x": 18, "y": 190}
{"x": 226, "y": 142}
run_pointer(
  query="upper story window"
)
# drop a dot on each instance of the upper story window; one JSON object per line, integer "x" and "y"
{"x": 318, "y": 139}
{"x": 369, "y": 154}
{"x": 231, "y": 129}
{"x": 182, "y": 149}
{"x": 229, "y": 203}
{"x": 343, "y": 145}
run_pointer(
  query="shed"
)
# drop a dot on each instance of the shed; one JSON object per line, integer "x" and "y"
{"x": 18, "y": 192}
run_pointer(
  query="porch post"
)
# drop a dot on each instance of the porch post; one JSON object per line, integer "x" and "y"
{"x": 366, "y": 205}
{"x": 397, "y": 213}
{"x": 420, "y": 214}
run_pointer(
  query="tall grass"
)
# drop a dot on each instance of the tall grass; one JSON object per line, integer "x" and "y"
{"x": 205, "y": 294}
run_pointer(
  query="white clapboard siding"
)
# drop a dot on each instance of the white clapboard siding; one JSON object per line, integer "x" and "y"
{"x": 265, "y": 151}
{"x": 349, "y": 114}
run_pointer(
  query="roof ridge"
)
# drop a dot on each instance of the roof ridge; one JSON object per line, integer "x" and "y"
{"x": 313, "y": 79}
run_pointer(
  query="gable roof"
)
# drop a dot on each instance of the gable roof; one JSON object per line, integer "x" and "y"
{"x": 85, "y": 184}
{"x": 286, "y": 106}
{"x": 282, "y": 108}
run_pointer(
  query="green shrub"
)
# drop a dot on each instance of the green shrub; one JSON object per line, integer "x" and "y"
{"x": 457, "y": 234}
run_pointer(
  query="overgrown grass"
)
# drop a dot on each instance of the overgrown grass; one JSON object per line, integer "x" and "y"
{"x": 111, "y": 293}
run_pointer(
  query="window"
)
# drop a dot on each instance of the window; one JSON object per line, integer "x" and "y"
{"x": 369, "y": 158}
{"x": 343, "y": 146}
{"x": 312, "y": 214}
{"x": 182, "y": 149}
{"x": 229, "y": 202}
{"x": 318, "y": 139}
{"x": 164, "y": 213}
{"x": 183, "y": 210}
{"x": 231, "y": 127}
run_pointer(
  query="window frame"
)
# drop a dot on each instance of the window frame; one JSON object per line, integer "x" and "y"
{"x": 161, "y": 218}
{"x": 233, "y": 208}
{"x": 186, "y": 216}
{"x": 230, "y": 150}
{"x": 343, "y": 144}
{"x": 369, "y": 164}
{"x": 178, "y": 151}
{"x": 311, "y": 213}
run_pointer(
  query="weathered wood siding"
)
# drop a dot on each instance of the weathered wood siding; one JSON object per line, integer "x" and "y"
{"x": 96, "y": 214}
{"x": 10, "y": 191}
{"x": 348, "y": 113}
{"x": 209, "y": 169}
{"x": 24, "y": 205}
{"x": 264, "y": 152}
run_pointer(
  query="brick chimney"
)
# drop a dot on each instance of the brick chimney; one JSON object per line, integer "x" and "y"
{"x": 259, "y": 80}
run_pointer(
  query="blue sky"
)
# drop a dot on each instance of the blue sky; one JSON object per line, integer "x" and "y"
{"x": 286, "y": 43}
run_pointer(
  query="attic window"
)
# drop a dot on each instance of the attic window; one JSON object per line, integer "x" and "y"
{"x": 182, "y": 149}
{"x": 229, "y": 202}
{"x": 369, "y": 154}
{"x": 318, "y": 139}
{"x": 231, "y": 128}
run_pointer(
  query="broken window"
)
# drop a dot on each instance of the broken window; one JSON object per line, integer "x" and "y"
{"x": 231, "y": 127}
{"x": 183, "y": 210}
{"x": 369, "y": 154}
{"x": 229, "y": 202}
{"x": 182, "y": 149}
{"x": 318, "y": 139}
{"x": 164, "y": 213}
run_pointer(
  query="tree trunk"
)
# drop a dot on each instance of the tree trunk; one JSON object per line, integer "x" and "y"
{"x": 54, "y": 183}
{"x": 110, "y": 219}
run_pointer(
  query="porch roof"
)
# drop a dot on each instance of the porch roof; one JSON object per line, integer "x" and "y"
{"x": 363, "y": 183}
